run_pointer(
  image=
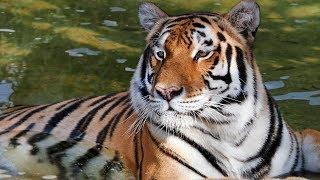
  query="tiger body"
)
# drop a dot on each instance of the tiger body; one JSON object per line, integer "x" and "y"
{"x": 197, "y": 108}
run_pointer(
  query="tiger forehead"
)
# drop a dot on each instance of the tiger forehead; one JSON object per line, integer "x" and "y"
{"x": 179, "y": 26}
{"x": 187, "y": 30}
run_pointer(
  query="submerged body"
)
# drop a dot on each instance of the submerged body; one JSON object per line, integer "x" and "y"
{"x": 196, "y": 108}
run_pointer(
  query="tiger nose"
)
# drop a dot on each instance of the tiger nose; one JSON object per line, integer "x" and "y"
{"x": 168, "y": 93}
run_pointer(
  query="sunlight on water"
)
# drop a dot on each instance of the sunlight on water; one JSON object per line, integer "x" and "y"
{"x": 117, "y": 9}
{"x": 80, "y": 52}
{"x": 110, "y": 23}
{"x": 312, "y": 96}
{"x": 7, "y": 30}
{"x": 274, "y": 84}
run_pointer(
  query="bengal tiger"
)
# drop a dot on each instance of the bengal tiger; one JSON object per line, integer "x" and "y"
{"x": 197, "y": 108}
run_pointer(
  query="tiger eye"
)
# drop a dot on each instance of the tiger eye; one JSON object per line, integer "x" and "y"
{"x": 160, "y": 54}
{"x": 202, "y": 53}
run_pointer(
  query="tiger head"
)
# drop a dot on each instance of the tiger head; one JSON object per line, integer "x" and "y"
{"x": 194, "y": 63}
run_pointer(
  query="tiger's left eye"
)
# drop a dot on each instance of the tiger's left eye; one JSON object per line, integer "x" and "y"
{"x": 160, "y": 55}
{"x": 202, "y": 55}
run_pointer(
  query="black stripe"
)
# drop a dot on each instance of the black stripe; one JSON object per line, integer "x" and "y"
{"x": 59, "y": 116}
{"x": 176, "y": 158}
{"x": 114, "y": 105}
{"x": 221, "y": 37}
{"x": 59, "y": 147}
{"x": 270, "y": 146}
{"x": 271, "y": 131}
{"x": 79, "y": 130}
{"x": 14, "y": 141}
{"x": 205, "y": 153}
{"x": 102, "y": 99}
{"x": 226, "y": 78}
{"x": 246, "y": 129}
{"x": 65, "y": 104}
{"x": 214, "y": 136}
{"x": 204, "y": 19}
{"x": 241, "y": 67}
{"x": 18, "y": 114}
{"x": 171, "y": 25}
{"x": 80, "y": 162}
{"x": 24, "y": 118}
{"x": 218, "y": 50}
{"x": 34, "y": 139}
{"x": 208, "y": 42}
{"x": 221, "y": 28}
{"x": 116, "y": 121}
{"x": 188, "y": 39}
{"x": 57, "y": 160}
{"x": 52, "y": 123}
{"x": 206, "y": 82}
{"x": 232, "y": 100}
{"x": 146, "y": 57}
{"x": 215, "y": 62}
{"x": 201, "y": 33}
{"x": 115, "y": 165}
{"x": 221, "y": 111}
{"x": 150, "y": 77}
{"x": 180, "y": 19}
{"x": 198, "y": 25}
{"x": 136, "y": 151}
{"x": 103, "y": 133}
{"x": 129, "y": 113}
{"x": 14, "y": 110}
{"x": 296, "y": 160}
{"x": 141, "y": 160}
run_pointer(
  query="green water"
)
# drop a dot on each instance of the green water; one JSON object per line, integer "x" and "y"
{"x": 34, "y": 60}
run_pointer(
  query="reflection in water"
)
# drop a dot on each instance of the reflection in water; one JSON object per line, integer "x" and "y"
{"x": 284, "y": 77}
{"x": 117, "y": 9}
{"x": 85, "y": 23}
{"x": 274, "y": 84}
{"x": 80, "y": 10}
{"x": 110, "y": 23}
{"x": 121, "y": 61}
{"x": 128, "y": 69}
{"x": 5, "y": 92}
{"x": 49, "y": 177}
{"x": 7, "y": 30}
{"x": 312, "y": 96}
{"x": 300, "y": 21}
{"x": 80, "y": 52}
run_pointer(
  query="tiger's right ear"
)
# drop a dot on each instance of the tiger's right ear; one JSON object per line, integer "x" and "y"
{"x": 245, "y": 16}
{"x": 149, "y": 15}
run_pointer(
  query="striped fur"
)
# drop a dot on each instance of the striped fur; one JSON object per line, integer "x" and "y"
{"x": 197, "y": 108}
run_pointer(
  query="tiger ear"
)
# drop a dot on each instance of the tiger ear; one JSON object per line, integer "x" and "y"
{"x": 149, "y": 15}
{"x": 245, "y": 16}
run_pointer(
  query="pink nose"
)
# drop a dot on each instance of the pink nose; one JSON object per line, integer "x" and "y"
{"x": 168, "y": 93}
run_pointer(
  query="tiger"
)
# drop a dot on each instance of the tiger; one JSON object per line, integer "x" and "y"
{"x": 196, "y": 108}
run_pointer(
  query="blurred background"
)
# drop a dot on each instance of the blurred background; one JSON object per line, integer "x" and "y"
{"x": 52, "y": 50}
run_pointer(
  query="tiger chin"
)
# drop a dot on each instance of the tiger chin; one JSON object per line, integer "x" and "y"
{"x": 197, "y": 108}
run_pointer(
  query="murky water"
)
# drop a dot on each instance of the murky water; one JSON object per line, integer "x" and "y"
{"x": 52, "y": 50}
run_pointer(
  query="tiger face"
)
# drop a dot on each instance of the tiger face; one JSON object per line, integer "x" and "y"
{"x": 193, "y": 63}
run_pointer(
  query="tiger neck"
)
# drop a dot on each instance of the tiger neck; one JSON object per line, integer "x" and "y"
{"x": 231, "y": 138}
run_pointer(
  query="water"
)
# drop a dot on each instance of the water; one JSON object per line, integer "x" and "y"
{"x": 53, "y": 50}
